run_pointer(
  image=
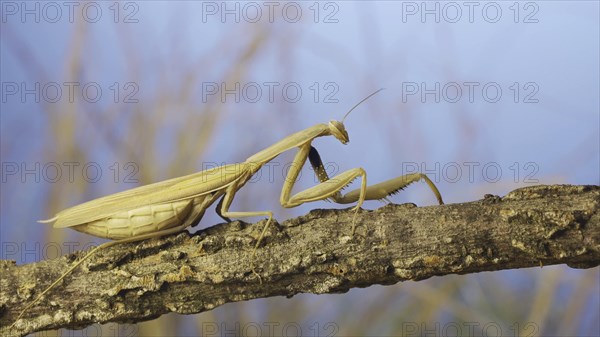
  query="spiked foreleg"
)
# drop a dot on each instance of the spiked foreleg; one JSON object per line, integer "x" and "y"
{"x": 328, "y": 188}
{"x": 375, "y": 192}
{"x": 383, "y": 190}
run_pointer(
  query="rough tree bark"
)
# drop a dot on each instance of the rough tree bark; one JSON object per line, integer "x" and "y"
{"x": 191, "y": 273}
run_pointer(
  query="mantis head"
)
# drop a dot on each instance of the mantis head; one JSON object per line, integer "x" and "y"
{"x": 337, "y": 128}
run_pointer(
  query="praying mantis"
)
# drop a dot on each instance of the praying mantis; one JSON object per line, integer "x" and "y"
{"x": 172, "y": 205}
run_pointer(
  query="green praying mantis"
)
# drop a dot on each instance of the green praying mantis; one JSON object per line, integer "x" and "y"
{"x": 170, "y": 206}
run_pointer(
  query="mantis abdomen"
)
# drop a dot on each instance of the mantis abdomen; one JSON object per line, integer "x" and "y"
{"x": 144, "y": 220}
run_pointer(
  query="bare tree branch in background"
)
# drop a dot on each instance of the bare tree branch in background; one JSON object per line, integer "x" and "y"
{"x": 191, "y": 273}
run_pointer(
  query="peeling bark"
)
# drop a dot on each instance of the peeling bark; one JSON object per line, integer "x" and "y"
{"x": 314, "y": 253}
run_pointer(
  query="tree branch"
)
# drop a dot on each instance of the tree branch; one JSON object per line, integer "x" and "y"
{"x": 315, "y": 253}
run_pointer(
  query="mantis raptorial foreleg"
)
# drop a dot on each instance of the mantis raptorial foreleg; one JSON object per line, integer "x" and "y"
{"x": 325, "y": 189}
{"x": 374, "y": 192}
{"x": 328, "y": 188}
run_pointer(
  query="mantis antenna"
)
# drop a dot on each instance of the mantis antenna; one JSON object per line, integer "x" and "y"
{"x": 359, "y": 103}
